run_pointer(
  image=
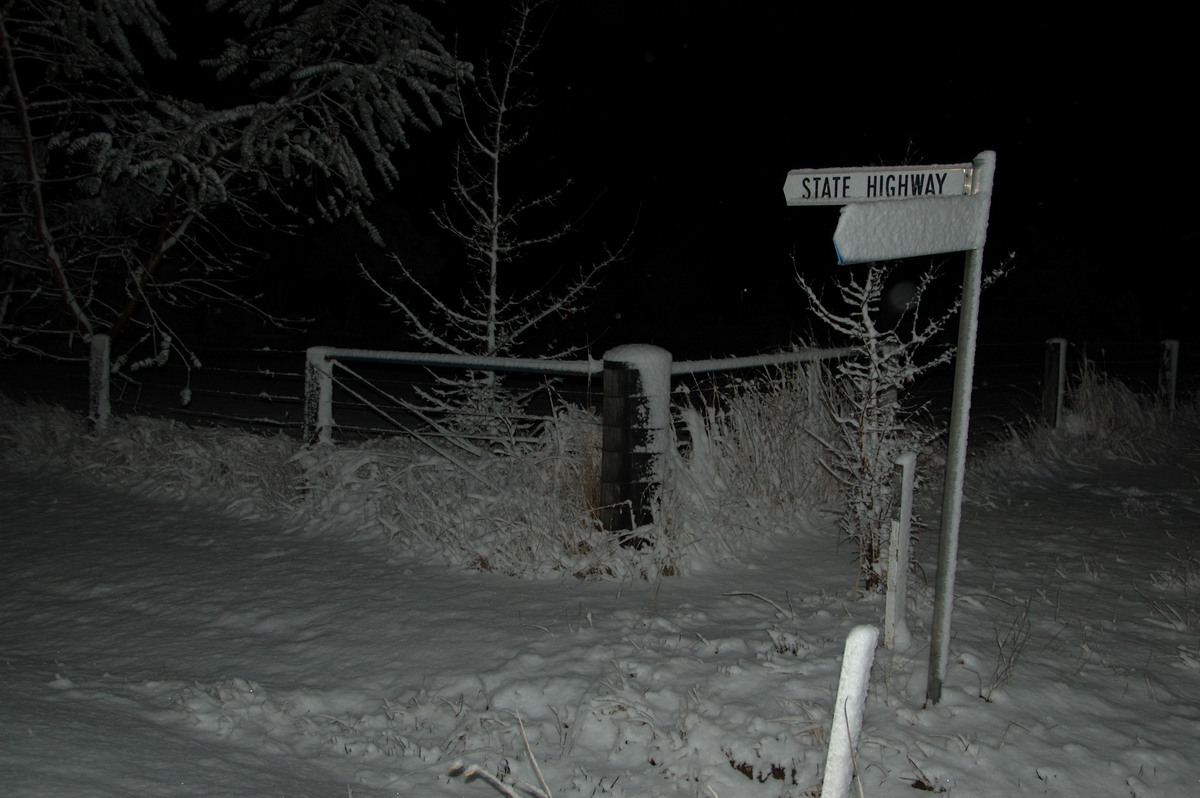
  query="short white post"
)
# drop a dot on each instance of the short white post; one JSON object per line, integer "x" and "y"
{"x": 895, "y": 629}
{"x": 848, "y": 711}
{"x": 99, "y": 372}
{"x": 318, "y": 396}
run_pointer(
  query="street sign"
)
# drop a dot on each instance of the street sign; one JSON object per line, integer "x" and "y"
{"x": 873, "y": 184}
{"x": 873, "y": 231}
{"x": 945, "y": 209}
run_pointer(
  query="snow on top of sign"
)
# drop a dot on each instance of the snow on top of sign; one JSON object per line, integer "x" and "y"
{"x": 926, "y": 226}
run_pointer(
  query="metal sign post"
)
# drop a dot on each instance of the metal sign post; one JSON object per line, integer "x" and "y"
{"x": 904, "y": 212}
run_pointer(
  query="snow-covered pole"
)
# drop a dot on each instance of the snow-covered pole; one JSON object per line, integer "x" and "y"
{"x": 318, "y": 396}
{"x": 99, "y": 372}
{"x": 1054, "y": 384}
{"x": 637, "y": 415}
{"x": 956, "y": 454}
{"x": 857, "y": 660}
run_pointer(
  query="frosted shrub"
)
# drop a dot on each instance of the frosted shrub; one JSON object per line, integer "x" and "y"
{"x": 1103, "y": 418}
{"x": 1107, "y": 410}
{"x": 519, "y": 509}
{"x": 752, "y": 461}
{"x": 872, "y": 428}
{"x": 523, "y": 510}
{"x": 250, "y": 474}
{"x": 748, "y": 469}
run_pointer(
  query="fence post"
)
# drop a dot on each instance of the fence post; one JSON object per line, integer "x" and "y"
{"x": 637, "y": 415}
{"x": 1168, "y": 374}
{"x": 99, "y": 372}
{"x": 318, "y": 396}
{"x": 1054, "y": 386}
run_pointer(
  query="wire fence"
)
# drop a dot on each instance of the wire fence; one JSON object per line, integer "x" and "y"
{"x": 262, "y": 389}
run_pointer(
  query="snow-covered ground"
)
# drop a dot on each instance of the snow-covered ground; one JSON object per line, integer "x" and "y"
{"x": 166, "y": 646}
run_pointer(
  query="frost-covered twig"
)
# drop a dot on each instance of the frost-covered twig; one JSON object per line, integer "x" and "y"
{"x": 785, "y": 613}
{"x": 469, "y": 772}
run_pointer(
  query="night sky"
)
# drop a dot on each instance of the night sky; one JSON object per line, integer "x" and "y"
{"x": 680, "y": 120}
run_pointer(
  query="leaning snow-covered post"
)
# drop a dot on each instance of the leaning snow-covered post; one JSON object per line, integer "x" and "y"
{"x": 848, "y": 711}
{"x": 637, "y": 415}
{"x": 960, "y": 416}
{"x": 895, "y": 629}
{"x": 99, "y": 372}
{"x": 318, "y": 396}
{"x": 1054, "y": 385}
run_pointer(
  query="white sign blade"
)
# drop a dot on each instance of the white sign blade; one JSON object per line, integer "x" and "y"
{"x": 874, "y": 184}
{"x": 872, "y": 231}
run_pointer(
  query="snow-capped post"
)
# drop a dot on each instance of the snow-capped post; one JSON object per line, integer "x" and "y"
{"x": 1054, "y": 384}
{"x": 1168, "y": 374}
{"x": 99, "y": 373}
{"x": 906, "y": 212}
{"x": 637, "y": 390}
{"x": 318, "y": 396}
{"x": 895, "y": 629}
{"x": 857, "y": 660}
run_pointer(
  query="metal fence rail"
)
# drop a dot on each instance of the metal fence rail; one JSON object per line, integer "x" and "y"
{"x": 324, "y": 363}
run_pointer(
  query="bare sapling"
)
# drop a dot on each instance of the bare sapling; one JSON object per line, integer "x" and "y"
{"x": 510, "y": 287}
{"x": 864, "y": 395}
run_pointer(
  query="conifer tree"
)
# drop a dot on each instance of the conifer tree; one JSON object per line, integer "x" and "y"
{"x": 135, "y": 134}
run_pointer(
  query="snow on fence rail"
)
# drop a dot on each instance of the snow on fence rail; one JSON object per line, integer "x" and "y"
{"x": 320, "y": 380}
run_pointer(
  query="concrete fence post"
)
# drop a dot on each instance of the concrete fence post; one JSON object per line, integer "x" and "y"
{"x": 318, "y": 396}
{"x": 1054, "y": 386}
{"x": 636, "y": 434}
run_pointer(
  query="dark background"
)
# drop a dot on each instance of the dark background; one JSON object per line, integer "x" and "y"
{"x": 679, "y": 121}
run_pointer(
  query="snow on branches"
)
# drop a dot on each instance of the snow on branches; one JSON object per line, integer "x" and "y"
{"x": 874, "y": 428}
{"x": 129, "y": 166}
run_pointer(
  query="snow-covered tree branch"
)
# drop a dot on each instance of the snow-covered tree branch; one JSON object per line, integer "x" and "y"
{"x": 133, "y": 177}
